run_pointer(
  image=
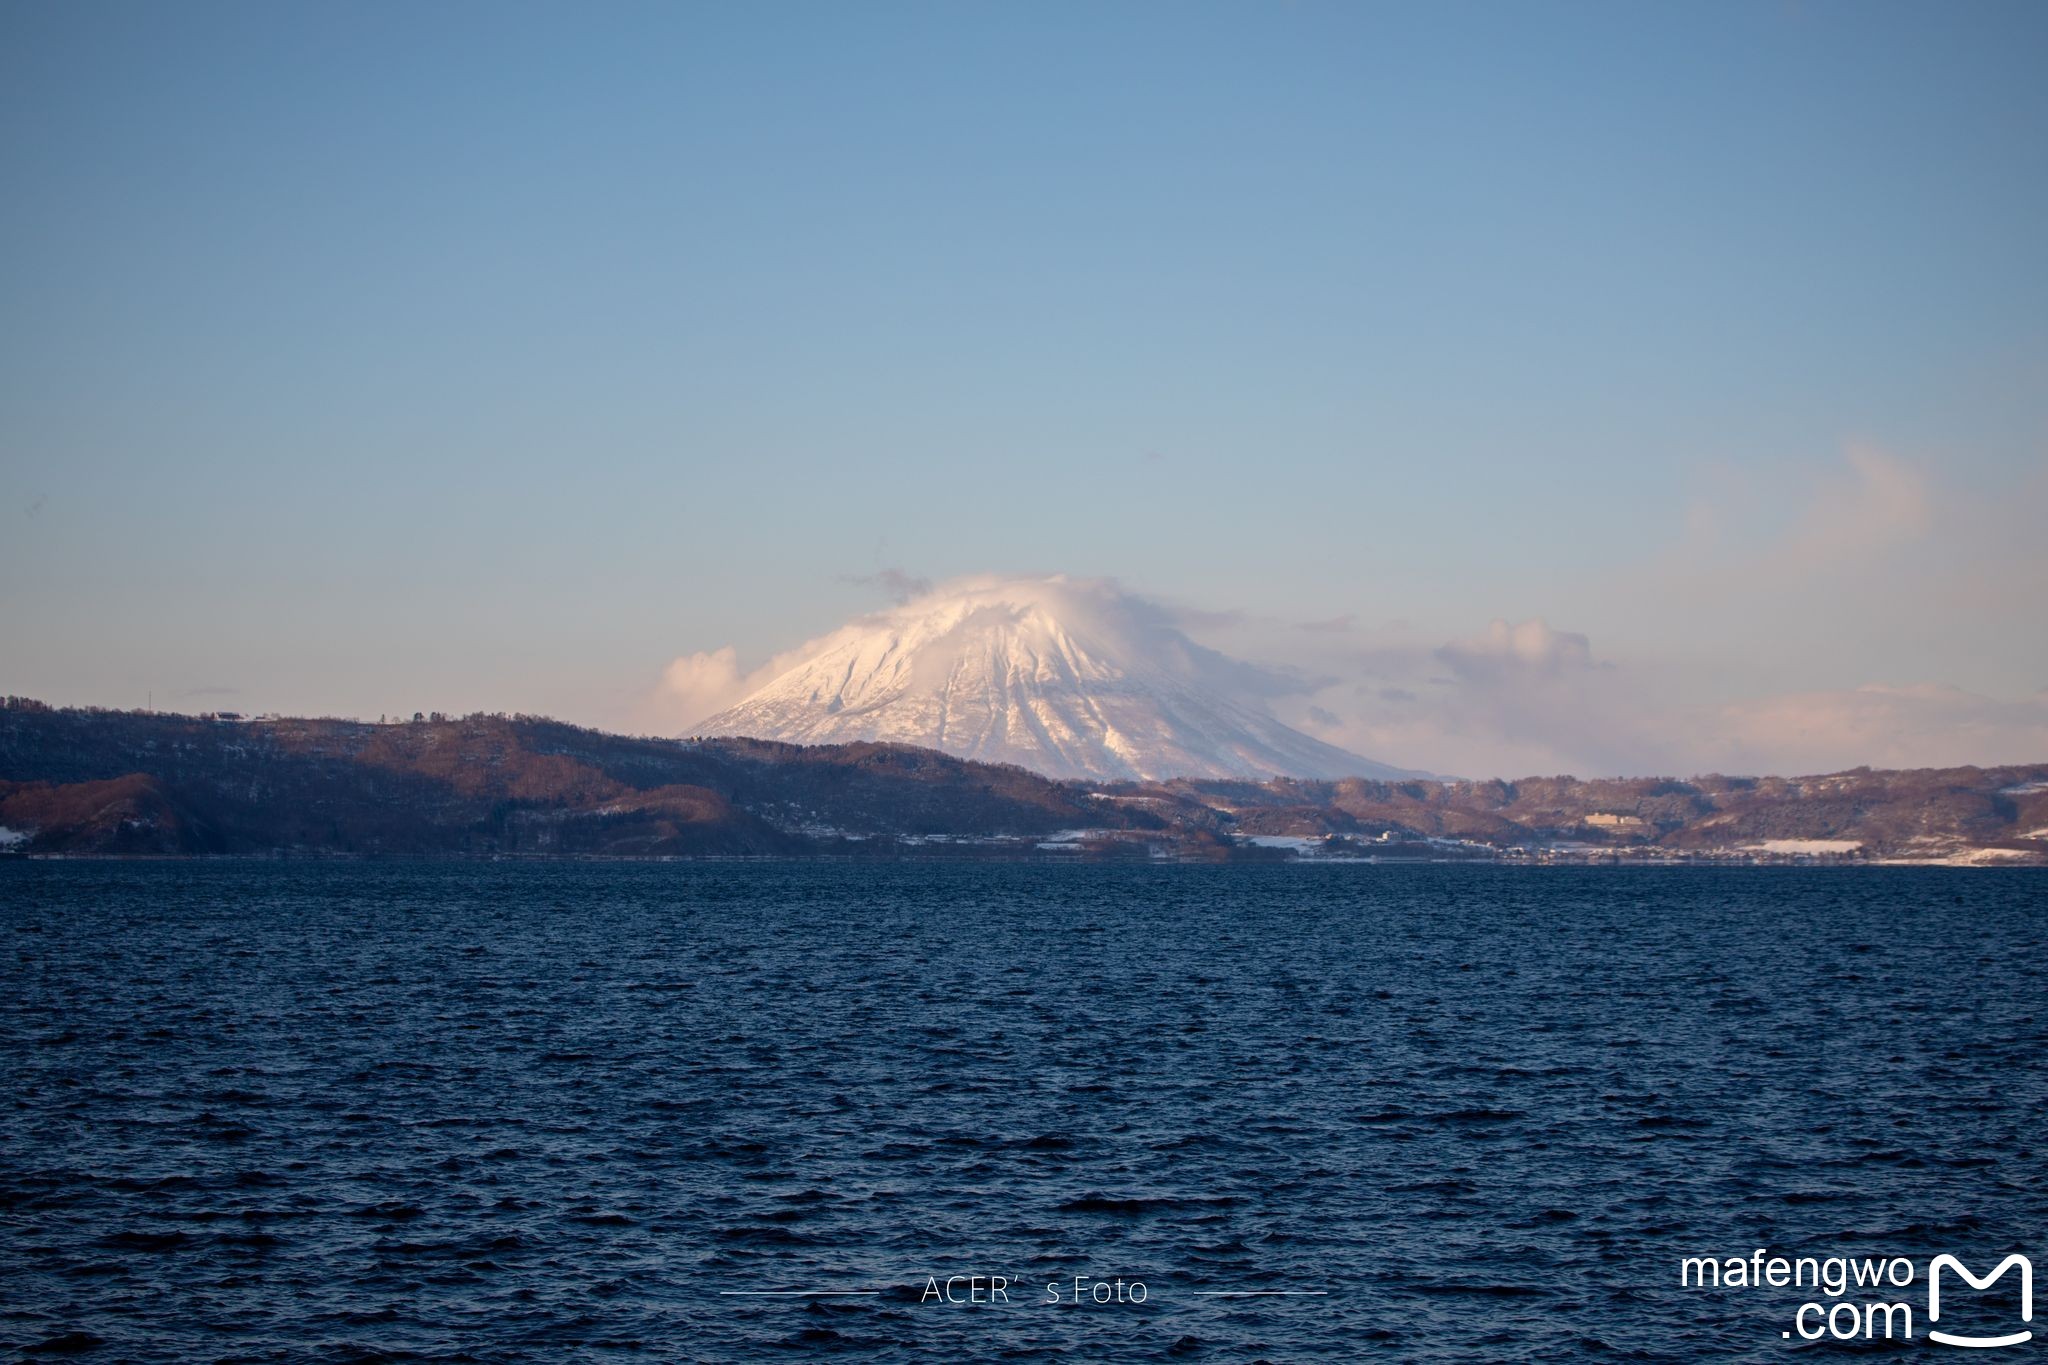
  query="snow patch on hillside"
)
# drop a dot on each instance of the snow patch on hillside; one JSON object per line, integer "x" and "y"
{"x": 1816, "y": 846}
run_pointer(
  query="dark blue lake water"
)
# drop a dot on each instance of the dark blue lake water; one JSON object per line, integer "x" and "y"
{"x": 464, "y": 1111}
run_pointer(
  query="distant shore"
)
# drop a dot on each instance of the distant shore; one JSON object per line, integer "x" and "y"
{"x": 82, "y": 782}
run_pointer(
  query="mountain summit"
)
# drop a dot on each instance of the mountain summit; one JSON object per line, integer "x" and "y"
{"x": 1068, "y": 677}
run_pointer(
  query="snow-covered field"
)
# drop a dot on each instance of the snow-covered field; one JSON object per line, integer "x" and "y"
{"x": 1809, "y": 846}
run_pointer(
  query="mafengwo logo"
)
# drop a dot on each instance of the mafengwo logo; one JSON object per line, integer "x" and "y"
{"x": 1946, "y": 1262}
{"x": 1867, "y": 1302}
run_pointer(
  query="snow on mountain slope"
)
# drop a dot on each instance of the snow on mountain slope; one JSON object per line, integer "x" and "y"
{"x": 1071, "y": 678}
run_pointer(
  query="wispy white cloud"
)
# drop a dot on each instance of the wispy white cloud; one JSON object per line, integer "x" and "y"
{"x": 1921, "y": 726}
{"x": 1878, "y": 503}
{"x": 1528, "y": 646}
{"x": 1521, "y": 698}
{"x": 900, "y": 585}
{"x": 695, "y": 687}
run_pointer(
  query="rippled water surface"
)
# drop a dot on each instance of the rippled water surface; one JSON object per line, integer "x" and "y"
{"x": 546, "y": 1112}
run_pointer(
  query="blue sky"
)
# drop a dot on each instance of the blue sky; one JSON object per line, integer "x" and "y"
{"x": 387, "y": 357}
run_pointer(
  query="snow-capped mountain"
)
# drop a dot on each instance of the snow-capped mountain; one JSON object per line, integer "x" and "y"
{"x": 1071, "y": 678}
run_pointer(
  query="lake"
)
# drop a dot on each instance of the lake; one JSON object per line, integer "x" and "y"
{"x": 469, "y": 1111}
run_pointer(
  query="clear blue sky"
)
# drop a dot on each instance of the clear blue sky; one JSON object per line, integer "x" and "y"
{"x": 374, "y": 357}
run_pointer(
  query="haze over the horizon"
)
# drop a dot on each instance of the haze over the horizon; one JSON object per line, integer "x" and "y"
{"x": 1591, "y": 387}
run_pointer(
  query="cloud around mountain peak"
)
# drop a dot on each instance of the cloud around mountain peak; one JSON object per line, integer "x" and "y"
{"x": 1072, "y": 677}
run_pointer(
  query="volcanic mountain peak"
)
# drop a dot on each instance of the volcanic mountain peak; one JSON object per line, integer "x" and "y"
{"x": 1072, "y": 678}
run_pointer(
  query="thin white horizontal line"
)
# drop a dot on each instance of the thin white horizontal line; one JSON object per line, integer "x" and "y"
{"x": 1255, "y": 1293}
{"x": 789, "y": 1293}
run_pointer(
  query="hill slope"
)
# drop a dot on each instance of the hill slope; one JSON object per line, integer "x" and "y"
{"x": 128, "y": 782}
